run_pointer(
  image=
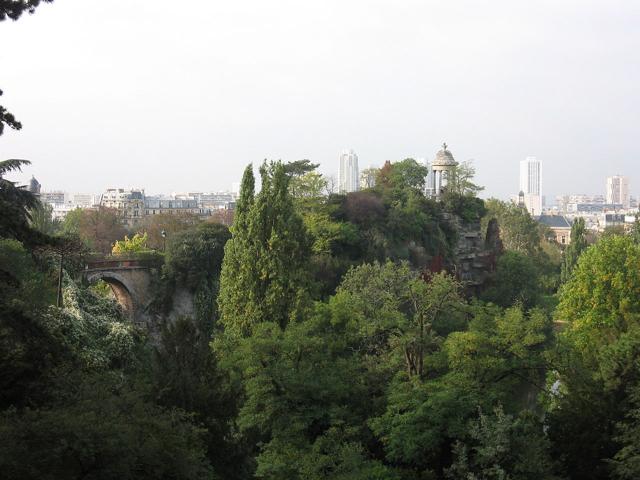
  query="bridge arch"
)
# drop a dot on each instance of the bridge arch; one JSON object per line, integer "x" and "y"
{"x": 121, "y": 291}
{"x": 130, "y": 282}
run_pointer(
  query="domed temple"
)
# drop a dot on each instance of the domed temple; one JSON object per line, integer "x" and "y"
{"x": 442, "y": 168}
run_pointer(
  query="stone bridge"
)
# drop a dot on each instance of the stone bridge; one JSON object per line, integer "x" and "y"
{"x": 130, "y": 279}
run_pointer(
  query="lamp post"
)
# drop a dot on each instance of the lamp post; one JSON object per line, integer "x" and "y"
{"x": 164, "y": 240}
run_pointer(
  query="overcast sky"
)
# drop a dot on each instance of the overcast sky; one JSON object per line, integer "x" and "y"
{"x": 177, "y": 96}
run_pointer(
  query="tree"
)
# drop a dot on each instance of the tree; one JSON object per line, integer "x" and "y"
{"x": 601, "y": 299}
{"x": 187, "y": 376}
{"x": 300, "y": 168}
{"x": 264, "y": 277}
{"x": 576, "y": 246}
{"x": 493, "y": 361}
{"x": 42, "y": 220}
{"x": 171, "y": 225}
{"x": 135, "y": 244}
{"x": 368, "y": 177}
{"x": 101, "y": 430}
{"x": 626, "y": 462}
{"x": 635, "y": 230}
{"x": 100, "y": 228}
{"x": 503, "y": 447}
{"x": 404, "y": 312}
{"x": 460, "y": 180}
{"x": 7, "y": 118}
{"x": 14, "y": 9}
{"x": 194, "y": 257}
{"x": 596, "y": 360}
{"x": 516, "y": 280}
{"x": 307, "y": 396}
{"x": 16, "y": 205}
{"x": 399, "y": 178}
{"x": 518, "y": 230}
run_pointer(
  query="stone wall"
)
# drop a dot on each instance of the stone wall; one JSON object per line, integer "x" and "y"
{"x": 476, "y": 252}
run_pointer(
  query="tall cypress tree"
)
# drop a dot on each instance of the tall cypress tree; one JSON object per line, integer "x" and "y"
{"x": 576, "y": 246}
{"x": 263, "y": 273}
{"x": 237, "y": 267}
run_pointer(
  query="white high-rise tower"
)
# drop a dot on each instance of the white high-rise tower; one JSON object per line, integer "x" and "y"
{"x": 531, "y": 184}
{"x": 349, "y": 173}
{"x": 618, "y": 191}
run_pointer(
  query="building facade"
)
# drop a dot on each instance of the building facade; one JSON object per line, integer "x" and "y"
{"x": 134, "y": 206}
{"x": 349, "y": 173}
{"x": 172, "y": 206}
{"x": 618, "y": 191}
{"x": 54, "y": 198}
{"x": 531, "y": 184}
{"x": 128, "y": 203}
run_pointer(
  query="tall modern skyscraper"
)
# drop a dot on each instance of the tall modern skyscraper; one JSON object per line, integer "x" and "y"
{"x": 618, "y": 191}
{"x": 349, "y": 173}
{"x": 531, "y": 184}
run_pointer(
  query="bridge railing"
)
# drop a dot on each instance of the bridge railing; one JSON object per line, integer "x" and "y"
{"x": 150, "y": 259}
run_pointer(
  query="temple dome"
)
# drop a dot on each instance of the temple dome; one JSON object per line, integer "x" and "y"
{"x": 444, "y": 158}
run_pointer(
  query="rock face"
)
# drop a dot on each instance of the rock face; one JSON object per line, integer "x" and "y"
{"x": 476, "y": 252}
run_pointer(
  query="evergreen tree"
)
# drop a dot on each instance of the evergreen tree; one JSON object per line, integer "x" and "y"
{"x": 238, "y": 270}
{"x": 635, "y": 230}
{"x": 263, "y": 273}
{"x": 13, "y": 9}
{"x": 577, "y": 245}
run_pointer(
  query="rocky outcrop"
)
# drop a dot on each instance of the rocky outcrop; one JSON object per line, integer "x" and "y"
{"x": 476, "y": 252}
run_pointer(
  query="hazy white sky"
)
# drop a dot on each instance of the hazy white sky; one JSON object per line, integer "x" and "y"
{"x": 144, "y": 93}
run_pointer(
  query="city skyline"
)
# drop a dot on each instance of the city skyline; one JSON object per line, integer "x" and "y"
{"x": 176, "y": 112}
{"x": 24, "y": 178}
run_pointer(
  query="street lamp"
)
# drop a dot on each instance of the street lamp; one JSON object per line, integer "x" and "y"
{"x": 164, "y": 240}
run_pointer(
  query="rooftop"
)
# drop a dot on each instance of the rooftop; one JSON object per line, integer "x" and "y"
{"x": 554, "y": 221}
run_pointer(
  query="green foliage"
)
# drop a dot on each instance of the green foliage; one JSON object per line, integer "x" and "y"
{"x": 503, "y": 447}
{"x": 7, "y": 118}
{"x": 135, "y": 244}
{"x": 460, "y": 181}
{"x": 401, "y": 178}
{"x": 154, "y": 225}
{"x": 597, "y": 361}
{"x": 626, "y": 462}
{"x": 263, "y": 273}
{"x": 602, "y": 297}
{"x": 22, "y": 284}
{"x": 635, "y": 231}
{"x": 403, "y": 312}
{"x": 497, "y": 359}
{"x": 306, "y": 397}
{"x": 194, "y": 256}
{"x": 187, "y": 377}
{"x": 101, "y": 430}
{"x": 16, "y": 204}
{"x": 469, "y": 208}
{"x": 421, "y": 419}
{"x": 574, "y": 250}
{"x": 518, "y": 230}
{"x": 42, "y": 219}
{"x": 71, "y": 222}
{"x": 516, "y": 279}
{"x": 300, "y": 168}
